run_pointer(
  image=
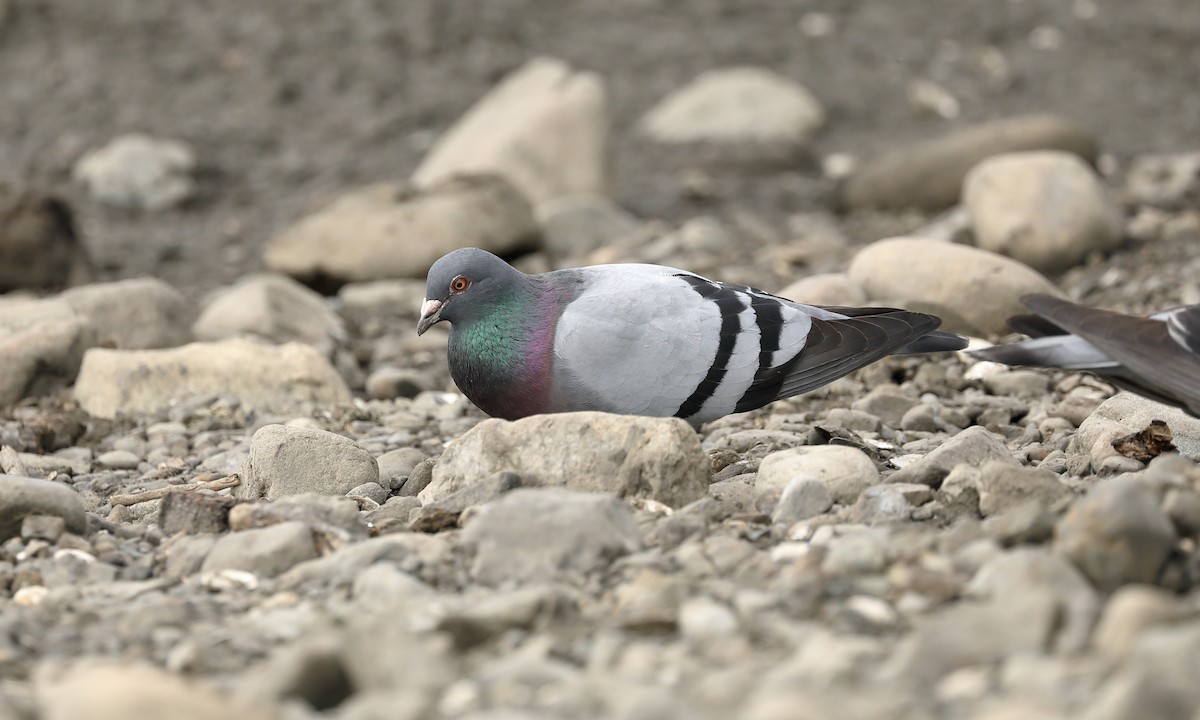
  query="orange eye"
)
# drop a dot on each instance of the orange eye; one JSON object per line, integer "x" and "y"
{"x": 459, "y": 284}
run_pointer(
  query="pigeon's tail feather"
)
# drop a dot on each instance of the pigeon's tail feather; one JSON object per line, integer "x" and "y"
{"x": 1060, "y": 351}
{"x": 936, "y": 341}
{"x": 1034, "y": 326}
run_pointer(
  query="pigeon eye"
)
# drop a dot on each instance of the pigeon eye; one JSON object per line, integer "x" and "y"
{"x": 459, "y": 284}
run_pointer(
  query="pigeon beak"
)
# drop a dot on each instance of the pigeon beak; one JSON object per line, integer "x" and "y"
{"x": 431, "y": 314}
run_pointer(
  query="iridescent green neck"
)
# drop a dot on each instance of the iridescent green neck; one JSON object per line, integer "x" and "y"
{"x": 495, "y": 339}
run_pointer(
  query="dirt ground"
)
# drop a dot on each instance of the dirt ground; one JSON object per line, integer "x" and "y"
{"x": 289, "y": 101}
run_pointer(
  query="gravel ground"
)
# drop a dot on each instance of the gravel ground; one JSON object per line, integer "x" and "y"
{"x": 224, "y": 493}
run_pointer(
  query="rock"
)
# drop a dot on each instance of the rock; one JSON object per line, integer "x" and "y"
{"x": 543, "y": 534}
{"x": 1004, "y": 485}
{"x": 290, "y": 461}
{"x": 845, "y": 471}
{"x": 336, "y": 514}
{"x": 1021, "y": 383}
{"x": 42, "y": 343}
{"x": 929, "y": 175}
{"x": 963, "y": 635}
{"x": 113, "y": 382}
{"x": 886, "y": 405}
{"x": 649, "y": 603}
{"x": 1170, "y": 181}
{"x": 576, "y": 225}
{"x": 803, "y": 497}
{"x": 274, "y": 308}
{"x": 22, "y": 496}
{"x": 266, "y": 552}
{"x": 1130, "y": 611}
{"x": 1026, "y": 522}
{"x": 388, "y": 383}
{"x": 974, "y": 446}
{"x": 1045, "y": 209}
{"x": 1126, "y": 413}
{"x": 920, "y": 418}
{"x": 1116, "y": 534}
{"x": 193, "y": 513}
{"x": 39, "y": 248}
{"x": 370, "y": 490}
{"x": 118, "y": 460}
{"x": 108, "y": 690}
{"x": 482, "y": 618}
{"x": 137, "y": 314}
{"x": 1158, "y": 680}
{"x": 825, "y": 289}
{"x": 743, "y": 114}
{"x": 544, "y": 128}
{"x": 43, "y": 527}
{"x": 375, "y": 308}
{"x": 138, "y": 172}
{"x": 944, "y": 278}
{"x": 444, "y": 514}
{"x": 890, "y": 502}
{"x": 1031, "y": 572}
{"x": 389, "y": 231}
{"x": 627, "y": 456}
{"x": 856, "y": 553}
{"x": 703, "y": 620}
{"x": 398, "y": 463}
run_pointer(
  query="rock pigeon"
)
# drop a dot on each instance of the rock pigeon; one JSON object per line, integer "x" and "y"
{"x": 1156, "y": 356}
{"x": 646, "y": 339}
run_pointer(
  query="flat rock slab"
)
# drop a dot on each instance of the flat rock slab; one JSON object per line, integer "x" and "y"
{"x": 113, "y": 382}
{"x": 624, "y": 455}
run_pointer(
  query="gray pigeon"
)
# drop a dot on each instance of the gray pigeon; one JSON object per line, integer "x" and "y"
{"x": 1156, "y": 356}
{"x": 646, "y": 339}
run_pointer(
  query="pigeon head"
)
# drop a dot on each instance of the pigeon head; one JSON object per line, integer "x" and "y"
{"x": 463, "y": 285}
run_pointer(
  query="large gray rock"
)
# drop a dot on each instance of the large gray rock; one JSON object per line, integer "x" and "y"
{"x": 1116, "y": 534}
{"x": 948, "y": 280}
{"x": 290, "y": 461}
{"x": 543, "y": 534}
{"x": 39, "y": 248}
{"x": 137, "y": 314}
{"x": 845, "y": 471}
{"x": 929, "y": 175}
{"x": 747, "y": 113}
{"x": 42, "y": 343}
{"x": 628, "y": 456}
{"x": 272, "y": 307}
{"x": 544, "y": 128}
{"x": 390, "y": 231}
{"x": 266, "y": 552}
{"x": 974, "y": 446}
{"x": 22, "y": 496}
{"x": 138, "y": 172}
{"x": 113, "y": 382}
{"x": 1125, "y": 414}
{"x": 107, "y": 690}
{"x": 1046, "y": 209}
